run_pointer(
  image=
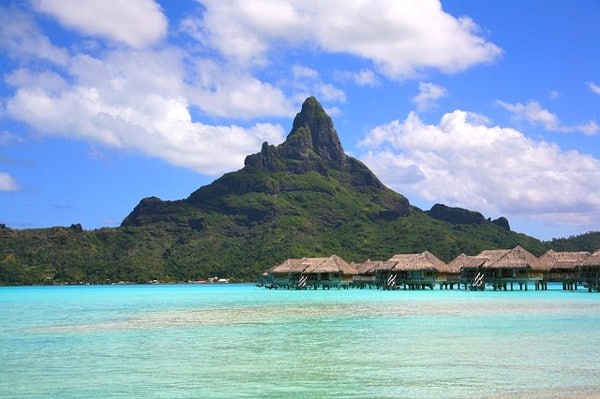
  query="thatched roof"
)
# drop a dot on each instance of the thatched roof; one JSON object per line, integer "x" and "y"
{"x": 563, "y": 260}
{"x": 372, "y": 266}
{"x": 490, "y": 256}
{"x": 289, "y": 266}
{"x": 465, "y": 261}
{"x": 593, "y": 259}
{"x": 333, "y": 264}
{"x": 516, "y": 258}
{"x": 361, "y": 268}
{"x": 423, "y": 261}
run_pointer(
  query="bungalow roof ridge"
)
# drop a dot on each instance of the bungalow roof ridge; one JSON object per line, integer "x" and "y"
{"x": 332, "y": 264}
{"x": 417, "y": 261}
{"x": 516, "y": 257}
{"x": 465, "y": 261}
{"x": 593, "y": 259}
{"x": 563, "y": 260}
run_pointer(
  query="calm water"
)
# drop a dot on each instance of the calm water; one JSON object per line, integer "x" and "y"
{"x": 240, "y": 341}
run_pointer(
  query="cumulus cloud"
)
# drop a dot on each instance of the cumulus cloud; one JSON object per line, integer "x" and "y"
{"x": 227, "y": 91}
{"x": 533, "y": 113}
{"x": 462, "y": 162}
{"x": 309, "y": 82}
{"x": 8, "y": 138}
{"x": 134, "y": 102}
{"x": 594, "y": 87}
{"x": 364, "y": 77}
{"x": 21, "y": 38}
{"x": 400, "y": 38}
{"x": 135, "y": 22}
{"x": 8, "y": 183}
{"x": 429, "y": 93}
{"x": 554, "y": 94}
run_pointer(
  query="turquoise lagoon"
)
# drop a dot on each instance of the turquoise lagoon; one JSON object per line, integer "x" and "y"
{"x": 241, "y": 341}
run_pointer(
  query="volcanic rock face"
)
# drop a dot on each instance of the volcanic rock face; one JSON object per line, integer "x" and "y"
{"x": 313, "y": 144}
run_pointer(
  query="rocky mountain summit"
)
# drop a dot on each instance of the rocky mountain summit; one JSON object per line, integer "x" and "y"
{"x": 312, "y": 151}
{"x": 313, "y": 144}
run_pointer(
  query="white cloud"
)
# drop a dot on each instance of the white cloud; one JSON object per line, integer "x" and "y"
{"x": 135, "y": 22}
{"x": 429, "y": 93}
{"x": 594, "y": 87}
{"x": 21, "y": 38}
{"x": 554, "y": 94}
{"x": 47, "y": 80}
{"x": 492, "y": 169}
{"x": 400, "y": 38}
{"x": 226, "y": 91}
{"x": 135, "y": 102}
{"x": 364, "y": 77}
{"x": 8, "y": 138}
{"x": 533, "y": 113}
{"x": 8, "y": 183}
{"x": 309, "y": 82}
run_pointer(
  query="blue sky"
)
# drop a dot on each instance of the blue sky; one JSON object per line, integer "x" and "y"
{"x": 490, "y": 106}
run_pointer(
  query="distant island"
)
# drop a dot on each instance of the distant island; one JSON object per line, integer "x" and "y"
{"x": 303, "y": 198}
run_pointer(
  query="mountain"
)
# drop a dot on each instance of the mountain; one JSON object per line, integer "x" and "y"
{"x": 463, "y": 216}
{"x": 304, "y": 197}
{"x": 309, "y": 171}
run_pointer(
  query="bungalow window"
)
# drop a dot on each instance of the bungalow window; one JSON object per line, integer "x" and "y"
{"x": 507, "y": 273}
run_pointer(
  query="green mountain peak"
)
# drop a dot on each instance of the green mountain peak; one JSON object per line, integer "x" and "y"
{"x": 312, "y": 144}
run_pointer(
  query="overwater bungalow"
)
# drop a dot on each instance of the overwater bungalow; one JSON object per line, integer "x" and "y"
{"x": 366, "y": 273}
{"x": 285, "y": 275}
{"x": 589, "y": 272}
{"x": 467, "y": 271}
{"x": 504, "y": 268}
{"x": 326, "y": 273}
{"x": 415, "y": 271}
{"x": 563, "y": 267}
{"x": 311, "y": 273}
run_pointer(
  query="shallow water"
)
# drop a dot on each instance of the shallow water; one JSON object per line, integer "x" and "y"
{"x": 240, "y": 341}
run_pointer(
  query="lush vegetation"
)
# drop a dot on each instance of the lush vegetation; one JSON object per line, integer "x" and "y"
{"x": 584, "y": 242}
{"x": 302, "y": 198}
{"x": 259, "y": 231}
